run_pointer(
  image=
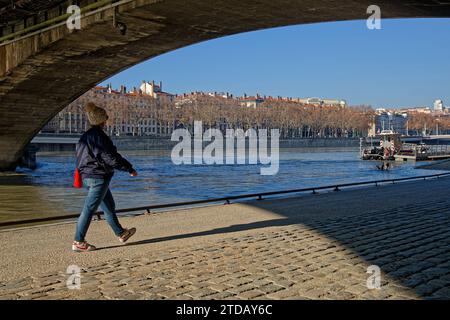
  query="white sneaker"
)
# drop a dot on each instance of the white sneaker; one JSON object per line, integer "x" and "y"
{"x": 82, "y": 246}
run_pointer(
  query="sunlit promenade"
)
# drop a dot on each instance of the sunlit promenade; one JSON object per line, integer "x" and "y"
{"x": 322, "y": 246}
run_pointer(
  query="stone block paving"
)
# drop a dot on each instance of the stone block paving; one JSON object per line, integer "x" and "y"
{"x": 323, "y": 259}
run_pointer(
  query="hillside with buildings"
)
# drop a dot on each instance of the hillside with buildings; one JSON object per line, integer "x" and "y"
{"x": 150, "y": 111}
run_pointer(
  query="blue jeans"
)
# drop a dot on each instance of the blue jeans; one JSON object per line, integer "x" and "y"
{"x": 98, "y": 195}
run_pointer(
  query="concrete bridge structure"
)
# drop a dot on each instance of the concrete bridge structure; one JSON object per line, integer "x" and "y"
{"x": 44, "y": 66}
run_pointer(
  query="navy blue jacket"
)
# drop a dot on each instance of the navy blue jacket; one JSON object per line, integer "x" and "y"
{"x": 97, "y": 157}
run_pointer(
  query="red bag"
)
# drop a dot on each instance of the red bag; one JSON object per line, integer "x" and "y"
{"x": 77, "y": 180}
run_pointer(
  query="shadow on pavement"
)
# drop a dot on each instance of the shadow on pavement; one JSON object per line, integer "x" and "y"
{"x": 410, "y": 243}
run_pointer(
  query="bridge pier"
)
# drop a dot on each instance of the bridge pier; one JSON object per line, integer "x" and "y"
{"x": 26, "y": 160}
{"x": 15, "y": 148}
{"x": 8, "y": 163}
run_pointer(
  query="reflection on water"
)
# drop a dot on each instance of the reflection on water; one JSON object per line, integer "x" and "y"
{"x": 47, "y": 191}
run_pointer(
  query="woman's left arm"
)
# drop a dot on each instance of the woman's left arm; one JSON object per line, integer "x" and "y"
{"x": 108, "y": 153}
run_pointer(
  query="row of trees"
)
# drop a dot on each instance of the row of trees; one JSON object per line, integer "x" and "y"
{"x": 294, "y": 120}
{"x": 424, "y": 124}
{"x": 131, "y": 114}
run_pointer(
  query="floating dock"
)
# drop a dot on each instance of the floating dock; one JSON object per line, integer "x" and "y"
{"x": 391, "y": 147}
{"x": 413, "y": 152}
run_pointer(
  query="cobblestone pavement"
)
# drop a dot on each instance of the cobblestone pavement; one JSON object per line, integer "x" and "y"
{"x": 323, "y": 259}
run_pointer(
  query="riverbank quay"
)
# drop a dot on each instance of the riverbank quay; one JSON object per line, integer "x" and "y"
{"x": 58, "y": 143}
{"x": 321, "y": 246}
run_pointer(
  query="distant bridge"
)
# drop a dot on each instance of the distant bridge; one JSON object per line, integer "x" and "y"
{"x": 44, "y": 66}
{"x": 438, "y": 136}
{"x": 55, "y": 139}
{"x": 435, "y": 139}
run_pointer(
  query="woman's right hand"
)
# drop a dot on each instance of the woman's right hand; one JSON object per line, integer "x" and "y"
{"x": 134, "y": 173}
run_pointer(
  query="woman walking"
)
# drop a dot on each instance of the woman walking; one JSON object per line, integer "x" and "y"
{"x": 97, "y": 157}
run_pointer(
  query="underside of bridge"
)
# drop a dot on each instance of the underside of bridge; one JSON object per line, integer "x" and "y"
{"x": 44, "y": 66}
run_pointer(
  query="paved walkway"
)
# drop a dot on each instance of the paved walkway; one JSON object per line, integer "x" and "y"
{"x": 307, "y": 247}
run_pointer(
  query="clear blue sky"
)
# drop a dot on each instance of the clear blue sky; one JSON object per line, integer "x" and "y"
{"x": 406, "y": 63}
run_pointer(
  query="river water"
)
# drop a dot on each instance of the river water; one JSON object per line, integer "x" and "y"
{"x": 47, "y": 190}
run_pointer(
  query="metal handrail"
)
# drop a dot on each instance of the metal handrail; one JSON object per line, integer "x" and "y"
{"x": 259, "y": 196}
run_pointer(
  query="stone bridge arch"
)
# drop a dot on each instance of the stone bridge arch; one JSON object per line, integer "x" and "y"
{"x": 44, "y": 66}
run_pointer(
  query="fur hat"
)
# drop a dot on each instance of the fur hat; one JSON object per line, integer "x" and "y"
{"x": 96, "y": 115}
